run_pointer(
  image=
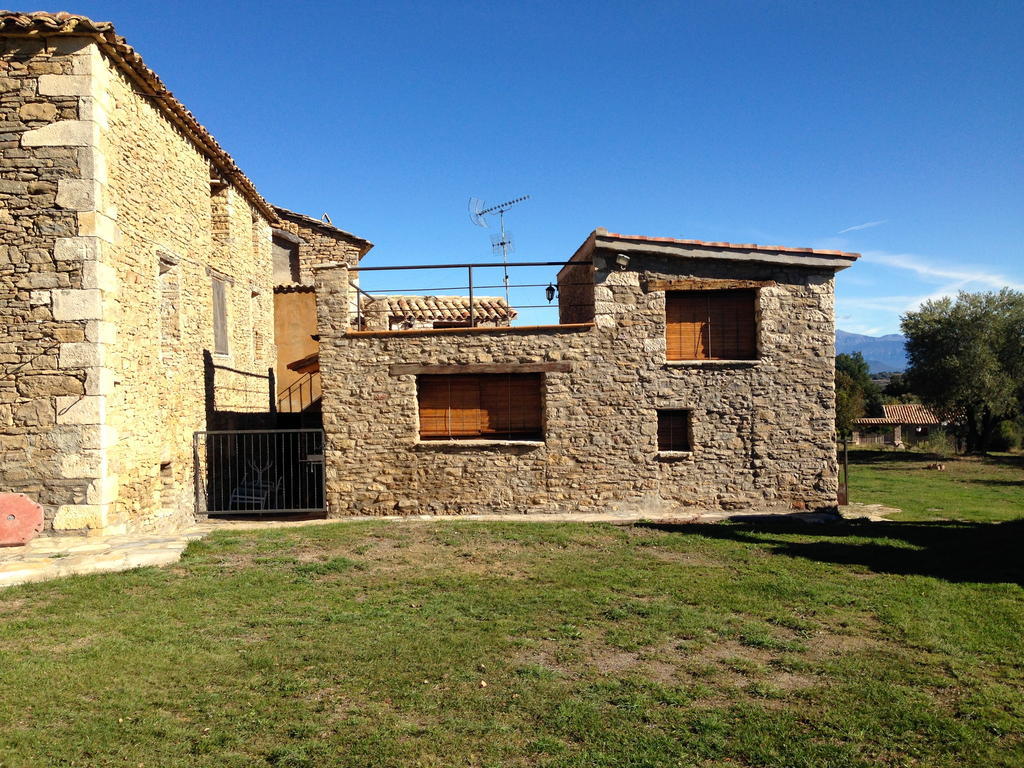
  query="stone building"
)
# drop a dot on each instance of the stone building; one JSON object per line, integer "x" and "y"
{"x": 136, "y": 280}
{"x": 682, "y": 373}
{"x": 148, "y": 291}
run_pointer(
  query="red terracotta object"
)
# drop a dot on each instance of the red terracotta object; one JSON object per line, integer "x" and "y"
{"x": 21, "y": 519}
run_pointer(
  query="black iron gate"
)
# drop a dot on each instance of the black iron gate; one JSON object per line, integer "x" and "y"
{"x": 266, "y": 471}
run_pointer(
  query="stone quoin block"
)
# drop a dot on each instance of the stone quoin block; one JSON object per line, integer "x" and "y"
{"x": 81, "y": 409}
{"x": 99, "y": 381}
{"x": 78, "y": 194}
{"x": 96, "y": 224}
{"x": 64, "y": 85}
{"x": 102, "y": 490}
{"x": 76, "y": 249}
{"x": 69, "y": 304}
{"x": 72, "y": 517}
{"x": 80, "y": 354}
{"x": 83, "y": 464}
{"x": 100, "y": 276}
{"x": 65, "y": 133}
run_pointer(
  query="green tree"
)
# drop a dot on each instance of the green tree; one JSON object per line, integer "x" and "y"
{"x": 855, "y": 367}
{"x": 898, "y": 390}
{"x": 849, "y": 403}
{"x": 967, "y": 360}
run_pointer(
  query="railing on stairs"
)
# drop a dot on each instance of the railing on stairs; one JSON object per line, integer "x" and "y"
{"x": 300, "y": 394}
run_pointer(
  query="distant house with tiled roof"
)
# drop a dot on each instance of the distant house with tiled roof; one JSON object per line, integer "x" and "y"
{"x": 390, "y": 313}
{"x": 902, "y": 423}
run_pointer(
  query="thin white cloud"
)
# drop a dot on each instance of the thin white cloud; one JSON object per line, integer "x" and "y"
{"x": 937, "y": 281}
{"x": 954, "y": 278}
{"x": 865, "y": 225}
{"x": 895, "y": 304}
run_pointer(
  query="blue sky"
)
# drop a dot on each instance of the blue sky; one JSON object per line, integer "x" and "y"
{"x": 892, "y": 129}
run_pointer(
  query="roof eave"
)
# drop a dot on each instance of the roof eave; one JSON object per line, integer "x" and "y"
{"x": 301, "y": 218}
{"x": 747, "y": 252}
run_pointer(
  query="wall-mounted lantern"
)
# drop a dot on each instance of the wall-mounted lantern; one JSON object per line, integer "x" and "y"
{"x": 550, "y": 292}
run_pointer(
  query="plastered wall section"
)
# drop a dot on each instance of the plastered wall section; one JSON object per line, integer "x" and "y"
{"x": 295, "y": 312}
{"x": 132, "y": 317}
{"x": 294, "y": 328}
{"x": 763, "y": 431}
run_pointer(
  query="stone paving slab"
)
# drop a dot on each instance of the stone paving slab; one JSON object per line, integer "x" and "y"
{"x": 50, "y": 557}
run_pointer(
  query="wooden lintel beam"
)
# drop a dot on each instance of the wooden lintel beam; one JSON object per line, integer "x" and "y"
{"x": 703, "y": 284}
{"x": 404, "y": 369}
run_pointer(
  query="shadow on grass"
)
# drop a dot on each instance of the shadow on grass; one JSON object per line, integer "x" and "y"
{"x": 1007, "y": 459}
{"x": 953, "y": 551}
{"x": 990, "y": 481}
{"x": 896, "y": 458}
{"x": 868, "y": 457}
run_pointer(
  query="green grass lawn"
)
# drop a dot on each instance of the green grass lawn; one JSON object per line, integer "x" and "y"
{"x": 978, "y": 488}
{"x": 530, "y": 644}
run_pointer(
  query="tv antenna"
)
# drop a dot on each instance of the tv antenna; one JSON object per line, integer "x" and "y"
{"x": 502, "y": 240}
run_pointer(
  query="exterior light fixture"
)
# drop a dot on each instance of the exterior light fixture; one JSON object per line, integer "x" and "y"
{"x": 621, "y": 260}
{"x": 550, "y": 292}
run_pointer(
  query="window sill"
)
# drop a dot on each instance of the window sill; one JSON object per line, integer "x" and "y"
{"x": 712, "y": 363}
{"x": 470, "y": 444}
{"x": 673, "y": 455}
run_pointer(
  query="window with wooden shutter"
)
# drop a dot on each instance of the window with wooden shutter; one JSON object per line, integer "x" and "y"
{"x": 220, "y": 317}
{"x": 673, "y": 430}
{"x": 481, "y": 406}
{"x": 711, "y": 325}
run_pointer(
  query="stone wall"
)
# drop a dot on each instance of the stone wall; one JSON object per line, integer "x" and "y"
{"x": 123, "y": 241}
{"x": 762, "y": 430}
{"x": 321, "y": 244}
{"x": 169, "y": 218}
{"x": 34, "y": 334}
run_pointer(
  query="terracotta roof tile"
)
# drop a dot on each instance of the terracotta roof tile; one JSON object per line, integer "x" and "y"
{"x": 902, "y": 413}
{"x": 441, "y": 308}
{"x": 41, "y": 24}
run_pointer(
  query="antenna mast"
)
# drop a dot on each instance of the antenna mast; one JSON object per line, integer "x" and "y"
{"x": 503, "y": 240}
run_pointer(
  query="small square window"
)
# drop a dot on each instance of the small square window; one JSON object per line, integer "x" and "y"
{"x": 674, "y": 430}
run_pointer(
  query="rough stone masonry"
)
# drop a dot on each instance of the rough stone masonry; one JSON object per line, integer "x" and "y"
{"x": 117, "y": 210}
{"x": 762, "y": 429}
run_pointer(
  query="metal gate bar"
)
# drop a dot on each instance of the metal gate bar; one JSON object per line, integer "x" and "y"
{"x": 259, "y": 471}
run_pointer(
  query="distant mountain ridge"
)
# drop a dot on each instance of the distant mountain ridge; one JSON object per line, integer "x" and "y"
{"x": 882, "y": 353}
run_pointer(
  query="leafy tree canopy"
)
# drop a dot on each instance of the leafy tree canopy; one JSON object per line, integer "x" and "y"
{"x": 849, "y": 403}
{"x": 967, "y": 359}
{"x": 855, "y": 369}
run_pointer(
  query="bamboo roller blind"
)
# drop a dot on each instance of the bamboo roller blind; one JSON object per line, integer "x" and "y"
{"x": 710, "y": 325}
{"x": 498, "y": 406}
